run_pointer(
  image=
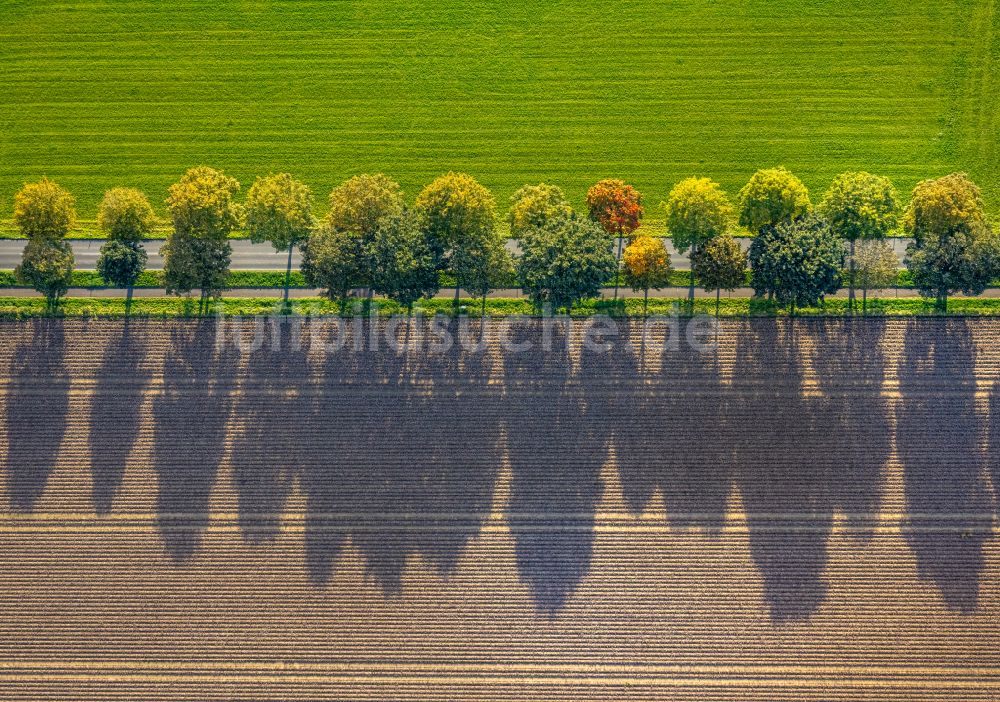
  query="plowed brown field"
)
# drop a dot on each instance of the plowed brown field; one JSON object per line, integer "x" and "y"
{"x": 808, "y": 512}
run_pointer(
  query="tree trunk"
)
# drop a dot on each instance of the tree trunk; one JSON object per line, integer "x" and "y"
{"x": 128, "y": 301}
{"x": 850, "y": 290}
{"x": 288, "y": 279}
{"x": 864, "y": 300}
{"x": 483, "y": 315}
{"x": 645, "y": 302}
{"x": 718, "y": 294}
{"x": 691, "y": 280}
{"x": 618, "y": 264}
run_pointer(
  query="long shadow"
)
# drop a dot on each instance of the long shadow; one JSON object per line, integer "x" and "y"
{"x": 114, "y": 413}
{"x": 938, "y": 439}
{"x": 853, "y": 435}
{"x": 190, "y": 414}
{"x": 788, "y": 509}
{"x": 37, "y": 411}
{"x": 413, "y": 471}
{"x": 556, "y": 450}
{"x": 670, "y": 430}
{"x": 272, "y": 433}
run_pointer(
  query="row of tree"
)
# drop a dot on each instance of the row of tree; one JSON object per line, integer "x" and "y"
{"x": 371, "y": 239}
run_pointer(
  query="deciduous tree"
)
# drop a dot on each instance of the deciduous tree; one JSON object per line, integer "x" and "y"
{"x": 279, "y": 210}
{"x": 534, "y": 205}
{"x": 617, "y": 207}
{"x": 799, "y": 262}
{"x": 197, "y": 252}
{"x": 358, "y": 206}
{"x": 47, "y": 266}
{"x": 877, "y": 267}
{"x": 697, "y": 211}
{"x": 771, "y": 197}
{"x": 455, "y": 211}
{"x": 565, "y": 261}
{"x": 859, "y": 206}
{"x": 404, "y": 262}
{"x": 647, "y": 265}
{"x": 332, "y": 260}
{"x": 126, "y": 217}
{"x": 954, "y": 247}
{"x": 45, "y": 212}
{"x": 720, "y": 264}
{"x": 483, "y": 265}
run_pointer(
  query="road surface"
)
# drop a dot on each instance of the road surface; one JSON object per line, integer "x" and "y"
{"x": 248, "y": 256}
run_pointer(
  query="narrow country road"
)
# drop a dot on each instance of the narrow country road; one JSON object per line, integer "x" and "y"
{"x": 248, "y": 256}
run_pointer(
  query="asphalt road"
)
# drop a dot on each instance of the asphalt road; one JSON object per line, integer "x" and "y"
{"x": 248, "y": 256}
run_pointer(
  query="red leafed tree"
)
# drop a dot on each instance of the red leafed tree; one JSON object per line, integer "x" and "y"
{"x": 616, "y": 206}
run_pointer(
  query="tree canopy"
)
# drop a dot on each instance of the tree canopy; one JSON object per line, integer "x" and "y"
{"x": 798, "y": 263}
{"x": 125, "y": 215}
{"x": 47, "y": 266}
{"x": 197, "y": 252}
{"x": 616, "y": 206}
{"x": 534, "y": 205}
{"x": 453, "y": 210}
{"x": 44, "y": 210}
{"x": 697, "y": 210}
{"x": 331, "y": 260}
{"x": 404, "y": 264}
{"x": 772, "y": 196}
{"x": 279, "y": 210}
{"x": 647, "y": 265}
{"x": 567, "y": 260}
{"x": 860, "y": 205}
{"x": 954, "y": 247}
{"x": 720, "y": 264}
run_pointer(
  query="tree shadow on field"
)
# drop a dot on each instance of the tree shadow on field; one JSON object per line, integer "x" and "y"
{"x": 938, "y": 439}
{"x": 190, "y": 417}
{"x": 670, "y": 429}
{"x": 37, "y": 411}
{"x": 556, "y": 452}
{"x": 789, "y": 511}
{"x": 272, "y": 431}
{"x": 853, "y": 432}
{"x": 114, "y": 413}
{"x": 413, "y": 473}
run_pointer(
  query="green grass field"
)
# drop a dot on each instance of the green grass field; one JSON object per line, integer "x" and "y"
{"x": 97, "y": 94}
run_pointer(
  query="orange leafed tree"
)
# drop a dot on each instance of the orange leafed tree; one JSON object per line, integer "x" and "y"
{"x": 617, "y": 207}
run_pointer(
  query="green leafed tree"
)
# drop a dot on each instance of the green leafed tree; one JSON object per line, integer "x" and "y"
{"x": 404, "y": 263}
{"x": 720, "y": 264}
{"x": 47, "y": 266}
{"x": 534, "y": 205}
{"x": 859, "y": 207}
{"x": 565, "y": 261}
{"x": 44, "y": 212}
{"x": 483, "y": 265}
{"x": 279, "y": 210}
{"x": 876, "y": 265}
{"x": 798, "y": 263}
{"x": 646, "y": 265}
{"x": 197, "y": 253}
{"x": 120, "y": 264}
{"x": 358, "y": 206}
{"x": 126, "y": 218}
{"x": 771, "y": 197}
{"x": 332, "y": 260}
{"x": 455, "y": 211}
{"x": 954, "y": 247}
{"x": 697, "y": 211}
